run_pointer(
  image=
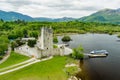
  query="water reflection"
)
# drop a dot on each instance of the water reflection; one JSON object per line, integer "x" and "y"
{"x": 98, "y": 68}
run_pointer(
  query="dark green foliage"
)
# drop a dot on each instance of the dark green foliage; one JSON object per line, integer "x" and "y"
{"x": 12, "y": 36}
{"x": 31, "y": 43}
{"x": 66, "y": 39}
{"x": 32, "y": 29}
{"x": 34, "y": 34}
{"x": 3, "y": 48}
{"x": 19, "y": 42}
{"x": 13, "y": 45}
{"x": 1, "y": 57}
{"x": 19, "y": 33}
{"x": 55, "y": 39}
{"x": 25, "y": 32}
{"x": 18, "y": 21}
{"x": 3, "y": 45}
{"x": 16, "y": 43}
{"x": 78, "y": 53}
{"x": 18, "y": 29}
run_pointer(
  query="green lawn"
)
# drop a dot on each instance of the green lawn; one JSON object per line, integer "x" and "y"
{"x": 53, "y": 69}
{"x": 13, "y": 59}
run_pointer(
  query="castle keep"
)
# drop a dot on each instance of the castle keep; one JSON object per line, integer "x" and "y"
{"x": 44, "y": 46}
{"x": 45, "y": 43}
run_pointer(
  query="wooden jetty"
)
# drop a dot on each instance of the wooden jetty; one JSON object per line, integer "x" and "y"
{"x": 96, "y": 55}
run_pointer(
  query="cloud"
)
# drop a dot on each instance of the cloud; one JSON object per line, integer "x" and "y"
{"x": 57, "y": 8}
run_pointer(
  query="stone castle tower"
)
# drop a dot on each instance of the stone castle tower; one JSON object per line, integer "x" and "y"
{"x": 45, "y": 42}
{"x": 44, "y": 46}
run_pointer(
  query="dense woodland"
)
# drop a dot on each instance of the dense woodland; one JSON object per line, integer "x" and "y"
{"x": 10, "y": 31}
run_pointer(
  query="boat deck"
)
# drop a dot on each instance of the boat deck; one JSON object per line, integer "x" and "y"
{"x": 96, "y": 55}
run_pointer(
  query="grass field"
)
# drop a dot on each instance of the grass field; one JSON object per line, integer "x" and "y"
{"x": 13, "y": 59}
{"x": 53, "y": 69}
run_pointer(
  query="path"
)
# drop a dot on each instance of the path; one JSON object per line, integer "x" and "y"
{"x": 27, "y": 61}
{"x": 6, "y": 56}
{"x": 25, "y": 65}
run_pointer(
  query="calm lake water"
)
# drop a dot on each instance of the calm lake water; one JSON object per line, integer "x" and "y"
{"x": 107, "y": 68}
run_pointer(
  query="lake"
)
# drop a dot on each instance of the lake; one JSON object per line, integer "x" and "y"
{"x": 107, "y": 68}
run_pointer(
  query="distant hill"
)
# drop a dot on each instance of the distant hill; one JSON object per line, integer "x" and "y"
{"x": 10, "y": 16}
{"x": 104, "y": 16}
{"x": 64, "y": 19}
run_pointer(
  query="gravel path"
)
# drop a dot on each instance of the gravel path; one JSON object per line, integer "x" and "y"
{"x": 6, "y": 56}
{"x": 15, "y": 65}
{"x": 25, "y": 65}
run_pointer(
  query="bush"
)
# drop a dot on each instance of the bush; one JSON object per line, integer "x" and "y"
{"x": 55, "y": 39}
{"x": 34, "y": 34}
{"x": 31, "y": 43}
{"x": 66, "y": 39}
{"x": 55, "y": 46}
{"x": 12, "y": 36}
{"x": 78, "y": 53}
{"x": 71, "y": 71}
{"x": 16, "y": 43}
{"x": 19, "y": 42}
{"x": 3, "y": 48}
{"x": 1, "y": 57}
{"x": 110, "y": 33}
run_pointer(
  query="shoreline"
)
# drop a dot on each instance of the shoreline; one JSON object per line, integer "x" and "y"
{"x": 83, "y": 75}
{"x": 61, "y": 34}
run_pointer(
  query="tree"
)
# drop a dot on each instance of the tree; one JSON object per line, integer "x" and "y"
{"x": 78, "y": 53}
{"x": 31, "y": 43}
{"x": 13, "y": 45}
{"x": 16, "y": 43}
{"x": 34, "y": 34}
{"x": 55, "y": 39}
{"x": 19, "y": 42}
{"x": 3, "y": 44}
{"x": 3, "y": 48}
{"x": 25, "y": 32}
{"x": 12, "y": 36}
{"x": 1, "y": 57}
{"x": 66, "y": 39}
{"x": 19, "y": 33}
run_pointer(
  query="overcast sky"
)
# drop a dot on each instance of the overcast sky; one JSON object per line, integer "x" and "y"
{"x": 57, "y": 8}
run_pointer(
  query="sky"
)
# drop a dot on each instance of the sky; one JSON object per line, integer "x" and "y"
{"x": 58, "y": 8}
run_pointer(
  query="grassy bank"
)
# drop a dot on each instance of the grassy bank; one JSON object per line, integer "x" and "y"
{"x": 13, "y": 59}
{"x": 53, "y": 69}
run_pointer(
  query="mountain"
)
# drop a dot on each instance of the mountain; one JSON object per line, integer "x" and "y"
{"x": 10, "y": 16}
{"x": 104, "y": 16}
{"x": 64, "y": 19}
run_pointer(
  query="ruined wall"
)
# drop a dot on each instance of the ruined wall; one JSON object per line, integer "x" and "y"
{"x": 58, "y": 51}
